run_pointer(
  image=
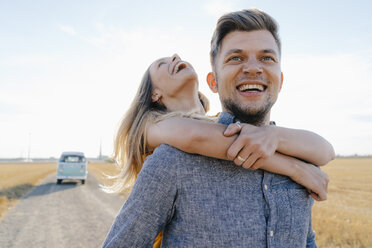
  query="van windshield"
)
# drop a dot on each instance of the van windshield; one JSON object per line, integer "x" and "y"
{"x": 72, "y": 159}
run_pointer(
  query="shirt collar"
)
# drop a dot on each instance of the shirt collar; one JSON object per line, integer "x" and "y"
{"x": 227, "y": 118}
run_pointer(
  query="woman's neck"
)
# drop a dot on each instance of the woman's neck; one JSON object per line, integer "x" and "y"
{"x": 186, "y": 104}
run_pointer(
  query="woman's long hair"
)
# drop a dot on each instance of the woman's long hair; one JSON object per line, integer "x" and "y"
{"x": 130, "y": 148}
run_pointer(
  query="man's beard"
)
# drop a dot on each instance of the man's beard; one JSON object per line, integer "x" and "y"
{"x": 254, "y": 117}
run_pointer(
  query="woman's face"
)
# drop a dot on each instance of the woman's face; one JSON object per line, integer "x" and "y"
{"x": 172, "y": 77}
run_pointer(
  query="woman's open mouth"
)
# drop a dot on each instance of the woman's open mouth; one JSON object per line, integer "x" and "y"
{"x": 179, "y": 67}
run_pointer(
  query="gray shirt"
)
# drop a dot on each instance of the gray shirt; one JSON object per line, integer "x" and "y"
{"x": 204, "y": 202}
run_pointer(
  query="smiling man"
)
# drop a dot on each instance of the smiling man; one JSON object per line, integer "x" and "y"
{"x": 245, "y": 57}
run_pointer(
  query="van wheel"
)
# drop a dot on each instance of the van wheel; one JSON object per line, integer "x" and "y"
{"x": 82, "y": 181}
{"x": 59, "y": 181}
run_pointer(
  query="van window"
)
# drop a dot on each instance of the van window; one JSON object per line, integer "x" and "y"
{"x": 72, "y": 159}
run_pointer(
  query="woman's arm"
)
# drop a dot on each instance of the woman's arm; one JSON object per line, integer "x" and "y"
{"x": 305, "y": 174}
{"x": 304, "y": 144}
{"x": 191, "y": 136}
{"x": 297, "y": 143}
{"x": 206, "y": 138}
{"x": 203, "y": 137}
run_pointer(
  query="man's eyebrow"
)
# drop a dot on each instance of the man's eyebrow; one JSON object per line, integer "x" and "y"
{"x": 269, "y": 51}
{"x": 234, "y": 50}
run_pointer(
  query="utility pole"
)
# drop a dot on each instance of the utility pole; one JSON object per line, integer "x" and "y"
{"x": 29, "y": 147}
{"x": 100, "y": 149}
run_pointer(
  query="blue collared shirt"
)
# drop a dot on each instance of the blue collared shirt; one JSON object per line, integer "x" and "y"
{"x": 204, "y": 202}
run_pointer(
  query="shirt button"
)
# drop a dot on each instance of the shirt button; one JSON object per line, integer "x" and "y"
{"x": 265, "y": 186}
{"x": 271, "y": 233}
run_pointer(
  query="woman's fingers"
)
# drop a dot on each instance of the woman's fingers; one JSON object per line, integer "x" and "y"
{"x": 314, "y": 195}
{"x": 247, "y": 158}
{"x": 251, "y": 160}
{"x": 232, "y": 129}
{"x": 242, "y": 154}
{"x": 239, "y": 160}
{"x": 235, "y": 149}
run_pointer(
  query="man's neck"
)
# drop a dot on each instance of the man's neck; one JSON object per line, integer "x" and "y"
{"x": 251, "y": 119}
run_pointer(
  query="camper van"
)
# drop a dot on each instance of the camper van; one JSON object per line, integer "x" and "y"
{"x": 72, "y": 165}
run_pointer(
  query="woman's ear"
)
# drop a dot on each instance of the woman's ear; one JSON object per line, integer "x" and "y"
{"x": 156, "y": 95}
{"x": 211, "y": 81}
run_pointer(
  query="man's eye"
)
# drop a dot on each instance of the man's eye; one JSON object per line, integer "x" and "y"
{"x": 268, "y": 58}
{"x": 236, "y": 58}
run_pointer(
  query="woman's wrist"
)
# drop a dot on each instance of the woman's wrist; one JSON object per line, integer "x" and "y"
{"x": 297, "y": 169}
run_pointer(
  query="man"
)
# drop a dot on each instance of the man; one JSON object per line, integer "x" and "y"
{"x": 205, "y": 202}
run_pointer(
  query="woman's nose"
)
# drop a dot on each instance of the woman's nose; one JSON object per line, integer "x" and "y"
{"x": 175, "y": 56}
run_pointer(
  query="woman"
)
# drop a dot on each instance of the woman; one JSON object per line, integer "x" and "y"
{"x": 169, "y": 109}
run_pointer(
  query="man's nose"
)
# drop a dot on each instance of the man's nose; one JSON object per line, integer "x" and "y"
{"x": 175, "y": 57}
{"x": 252, "y": 67}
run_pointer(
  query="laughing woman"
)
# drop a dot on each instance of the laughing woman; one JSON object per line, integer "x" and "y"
{"x": 169, "y": 109}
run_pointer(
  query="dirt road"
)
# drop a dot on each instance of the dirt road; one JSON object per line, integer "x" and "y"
{"x": 65, "y": 215}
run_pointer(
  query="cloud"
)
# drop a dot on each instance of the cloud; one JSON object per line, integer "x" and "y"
{"x": 218, "y": 8}
{"x": 333, "y": 80}
{"x": 8, "y": 108}
{"x": 25, "y": 60}
{"x": 330, "y": 95}
{"x": 363, "y": 118}
{"x": 67, "y": 29}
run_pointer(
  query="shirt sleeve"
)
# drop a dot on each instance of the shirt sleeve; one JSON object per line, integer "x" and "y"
{"x": 148, "y": 208}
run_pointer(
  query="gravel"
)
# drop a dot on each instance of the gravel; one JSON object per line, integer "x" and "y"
{"x": 65, "y": 215}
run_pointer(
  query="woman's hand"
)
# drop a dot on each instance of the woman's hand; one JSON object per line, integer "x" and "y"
{"x": 312, "y": 178}
{"x": 252, "y": 145}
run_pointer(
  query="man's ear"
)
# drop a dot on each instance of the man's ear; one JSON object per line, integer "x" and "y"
{"x": 156, "y": 95}
{"x": 281, "y": 80}
{"x": 211, "y": 81}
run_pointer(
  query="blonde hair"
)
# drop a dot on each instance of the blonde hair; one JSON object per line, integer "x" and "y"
{"x": 130, "y": 149}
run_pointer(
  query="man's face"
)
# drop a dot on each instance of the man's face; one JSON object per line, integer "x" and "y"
{"x": 247, "y": 74}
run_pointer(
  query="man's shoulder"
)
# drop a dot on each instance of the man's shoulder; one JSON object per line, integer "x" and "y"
{"x": 165, "y": 157}
{"x": 167, "y": 152}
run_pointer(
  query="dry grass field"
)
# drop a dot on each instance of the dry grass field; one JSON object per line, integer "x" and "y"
{"x": 102, "y": 170}
{"x": 16, "y": 179}
{"x": 344, "y": 220}
{"x": 99, "y": 170}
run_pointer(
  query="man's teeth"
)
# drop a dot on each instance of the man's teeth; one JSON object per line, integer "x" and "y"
{"x": 251, "y": 87}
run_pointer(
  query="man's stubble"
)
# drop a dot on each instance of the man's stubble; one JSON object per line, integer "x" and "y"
{"x": 247, "y": 115}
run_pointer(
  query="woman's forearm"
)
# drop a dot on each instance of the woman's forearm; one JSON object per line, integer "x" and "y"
{"x": 305, "y": 145}
{"x": 190, "y": 135}
{"x": 302, "y": 173}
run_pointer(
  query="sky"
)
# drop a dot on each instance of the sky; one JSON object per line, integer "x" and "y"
{"x": 70, "y": 69}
